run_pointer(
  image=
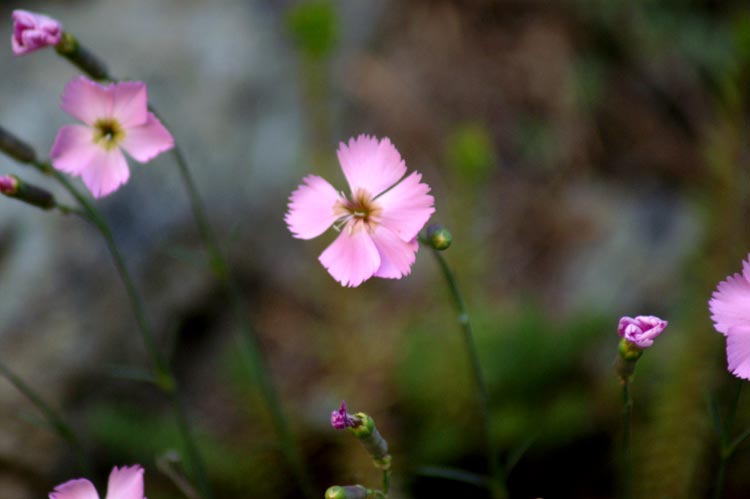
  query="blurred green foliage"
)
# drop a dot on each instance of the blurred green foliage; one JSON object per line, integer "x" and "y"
{"x": 315, "y": 27}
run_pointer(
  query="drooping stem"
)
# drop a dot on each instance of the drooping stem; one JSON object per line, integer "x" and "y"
{"x": 165, "y": 379}
{"x": 627, "y": 463}
{"x": 476, "y": 372}
{"x": 247, "y": 338}
{"x": 54, "y": 419}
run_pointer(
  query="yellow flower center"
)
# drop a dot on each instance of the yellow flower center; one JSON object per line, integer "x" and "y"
{"x": 108, "y": 133}
{"x": 358, "y": 213}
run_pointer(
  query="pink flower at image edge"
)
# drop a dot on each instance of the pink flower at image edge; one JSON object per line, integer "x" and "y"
{"x": 124, "y": 483}
{"x": 641, "y": 330}
{"x": 33, "y": 31}
{"x": 115, "y": 117}
{"x": 730, "y": 312}
{"x": 378, "y": 222}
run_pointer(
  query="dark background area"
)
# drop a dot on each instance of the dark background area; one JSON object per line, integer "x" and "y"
{"x": 590, "y": 158}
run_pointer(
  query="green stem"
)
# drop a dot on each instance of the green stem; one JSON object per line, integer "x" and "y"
{"x": 476, "y": 371}
{"x": 627, "y": 462}
{"x": 55, "y": 420}
{"x": 248, "y": 338}
{"x": 165, "y": 379}
{"x": 386, "y": 481}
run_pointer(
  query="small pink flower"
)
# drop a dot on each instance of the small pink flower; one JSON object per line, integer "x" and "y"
{"x": 378, "y": 222}
{"x": 33, "y": 31}
{"x": 730, "y": 311}
{"x": 641, "y": 330}
{"x": 116, "y": 115}
{"x": 124, "y": 483}
{"x": 8, "y": 185}
{"x": 341, "y": 419}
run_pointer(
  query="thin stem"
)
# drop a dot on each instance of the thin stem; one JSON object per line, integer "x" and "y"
{"x": 55, "y": 420}
{"x": 386, "y": 481}
{"x": 627, "y": 463}
{"x": 248, "y": 338}
{"x": 165, "y": 379}
{"x": 476, "y": 371}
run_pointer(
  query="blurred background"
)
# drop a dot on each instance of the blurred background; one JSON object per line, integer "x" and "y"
{"x": 590, "y": 157}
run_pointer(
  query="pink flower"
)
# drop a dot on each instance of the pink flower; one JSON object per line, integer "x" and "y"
{"x": 730, "y": 311}
{"x": 641, "y": 330}
{"x": 341, "y": 419}
{"x": 378, "y": 222}
{"x": 124, "y": 483}
{"x": 116, "y": 115}
{"x": 33, "y": 31}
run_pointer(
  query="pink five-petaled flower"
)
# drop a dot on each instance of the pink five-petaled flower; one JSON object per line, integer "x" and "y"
{"x": 115, "y": 115}
{"x": 641, "y": 330}
{"x": 124, "y": 483}
{"x": 33, "y": 31}
{"x": 378, "y": 222}
{"x": 730, "y": 311}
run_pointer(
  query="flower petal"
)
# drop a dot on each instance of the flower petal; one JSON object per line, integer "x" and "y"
{"x": 738, "y": 351}
{"x": 396, "y": 255}
{"x": 407, "y": 207}
{"x": 125, "y": 483}
{"x": 146, "y": 142}
{"x": 75, "y": 489}
{"x": 370, "y": 164}
{"x": 311, "y": 208}
{"x": 107, "y": 171}
{"x": 352, "y": 258}
{"x": 130, "y": 103}
{"x": 87, "y": 100}
{"x": 74, "y": 148}
{"x": 730, "y": 303}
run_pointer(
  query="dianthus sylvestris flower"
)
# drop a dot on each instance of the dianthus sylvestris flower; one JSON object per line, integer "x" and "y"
{"x": 124, "y": 483}
{"x": 730, "y": 311}
{"x": 641, "y": 330}
{"x": 378, "y": 222}
{"x": 33, "y": 31}
{"x": 116, "y": 116}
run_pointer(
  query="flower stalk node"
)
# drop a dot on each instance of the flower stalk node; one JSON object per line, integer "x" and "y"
{"x": 69, "y": 48}
{"x": 16, "y": 148}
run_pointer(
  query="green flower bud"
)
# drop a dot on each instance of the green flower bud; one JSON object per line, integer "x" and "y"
{"x": 439, "y": 237}
{"x": 13, "y": 187}
{"x": 346, "y": 492}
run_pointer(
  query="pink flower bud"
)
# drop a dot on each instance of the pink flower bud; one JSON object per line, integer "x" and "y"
{"x": 33, "y": 31}
{"x": 8, "y": 185}
{"x": 642, "y": 330}
{"x": 340, "y": 419}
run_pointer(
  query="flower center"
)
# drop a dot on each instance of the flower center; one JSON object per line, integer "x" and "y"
{"x": 359, "y": 212}
{"x": 108, "y": 133}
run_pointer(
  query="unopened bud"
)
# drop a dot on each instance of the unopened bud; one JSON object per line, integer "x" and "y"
{"x": 81, "y": 57}
{"x": 13, "y": 187}
{"x": 16, "y": 148}
{"x": 374, "y": 443}
{"x": 439, "y": 237}
{"x": 346, "y": 492}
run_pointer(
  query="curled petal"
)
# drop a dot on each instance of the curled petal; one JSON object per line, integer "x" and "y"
{"x": 130, "y": 103}
{"x": 75, "y": 489}
{"x": 407, "y": 207}
{"x": 370, "y": 164}
{"x": 311, "y": 208}
{"x": 32, "y": 31}
{"x": 87, "y": 100}
{"x": 352, "y": 258}
{"x": 730, "y": 303}
{"x": 738, "y": 351}
{"x": 125, "y": 483}
{"x": 74, "y": 149}
{"x": 146, "y": 142}
{"x": 107, "y": 171}
{"x": 396, "y": 255}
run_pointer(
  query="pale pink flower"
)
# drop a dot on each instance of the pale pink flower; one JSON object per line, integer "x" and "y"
{"x": 33, "y": 31}
{"x": 730, "y": 311}
{"x": 378, "y": 222}
{"x": 641, "y": 330}
{"x": 124, "y": 483}
{"x": 115, "y": 116}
